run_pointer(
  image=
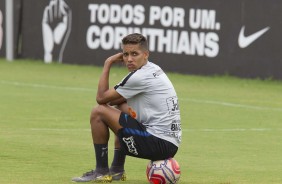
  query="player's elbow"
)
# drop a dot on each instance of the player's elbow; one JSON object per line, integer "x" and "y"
{"x": 101, "y": 100}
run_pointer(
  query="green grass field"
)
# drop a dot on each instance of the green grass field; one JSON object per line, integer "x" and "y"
{"x": 232, "y": 128}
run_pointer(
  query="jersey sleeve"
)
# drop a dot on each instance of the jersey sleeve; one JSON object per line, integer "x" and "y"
{"x": 131, "y": 85}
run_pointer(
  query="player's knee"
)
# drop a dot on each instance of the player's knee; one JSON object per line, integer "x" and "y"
{"x": 96, "y": 113}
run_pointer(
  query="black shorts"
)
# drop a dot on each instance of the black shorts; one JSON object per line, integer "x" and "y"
{"x": 137, "y": 142}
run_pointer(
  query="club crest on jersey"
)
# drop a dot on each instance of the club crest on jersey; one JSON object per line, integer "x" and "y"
{"x": 158, "y": 73}
{"x": 129, "y": 141}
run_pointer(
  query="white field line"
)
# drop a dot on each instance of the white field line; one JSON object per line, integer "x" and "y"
{"x": 59, "y": 130}
{"x": 185, "y": 130}
{"x": 231, "y": 104}
{"x": 15, "y": 83}
{"x": 233, "y": 130}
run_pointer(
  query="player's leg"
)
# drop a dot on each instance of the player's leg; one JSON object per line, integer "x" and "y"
{"x": 117, "y": 167}
{"x": 102, "y": 118}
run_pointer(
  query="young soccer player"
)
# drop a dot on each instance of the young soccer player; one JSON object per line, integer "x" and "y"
{"x": 145, "y": 120}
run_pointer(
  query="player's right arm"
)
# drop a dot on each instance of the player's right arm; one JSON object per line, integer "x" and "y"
{"x": 105, "y": 94}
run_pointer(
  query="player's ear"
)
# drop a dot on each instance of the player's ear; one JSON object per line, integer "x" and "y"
{"x": 146, "y": 53}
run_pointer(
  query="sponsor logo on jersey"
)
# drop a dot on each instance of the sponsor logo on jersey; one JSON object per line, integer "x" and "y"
{"x": 175, "y": 125}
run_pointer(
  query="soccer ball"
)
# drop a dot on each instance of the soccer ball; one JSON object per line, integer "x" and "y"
{"x": 163, "y": 171}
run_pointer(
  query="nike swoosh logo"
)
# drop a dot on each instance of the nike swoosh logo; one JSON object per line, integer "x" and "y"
{"x": 245, "y": 41}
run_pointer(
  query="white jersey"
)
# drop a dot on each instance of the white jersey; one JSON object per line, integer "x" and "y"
{"x": 153, "y": 101}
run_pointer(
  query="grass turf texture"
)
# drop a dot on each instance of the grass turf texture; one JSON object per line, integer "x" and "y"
{"x": 231, "y": 127}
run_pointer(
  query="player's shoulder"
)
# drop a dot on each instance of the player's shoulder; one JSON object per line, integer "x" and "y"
{"x": 145, "y": 73}
{"x": 148, "y": 69}
{"x": 151, "y": 65}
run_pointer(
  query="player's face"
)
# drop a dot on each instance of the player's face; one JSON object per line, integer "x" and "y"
{"x": 134, "y": 57}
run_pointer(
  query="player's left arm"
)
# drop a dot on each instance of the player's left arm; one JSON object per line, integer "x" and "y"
{"x": 109, "y": 96}
{"x": 118, "y": 101}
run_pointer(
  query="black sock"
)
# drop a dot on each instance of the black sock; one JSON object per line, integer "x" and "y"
{"x": 118, "y": 161}
{"x": 101, "y": 151}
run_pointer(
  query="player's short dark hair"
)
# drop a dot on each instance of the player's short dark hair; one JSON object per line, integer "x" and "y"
{"x": 136, "y": 38}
